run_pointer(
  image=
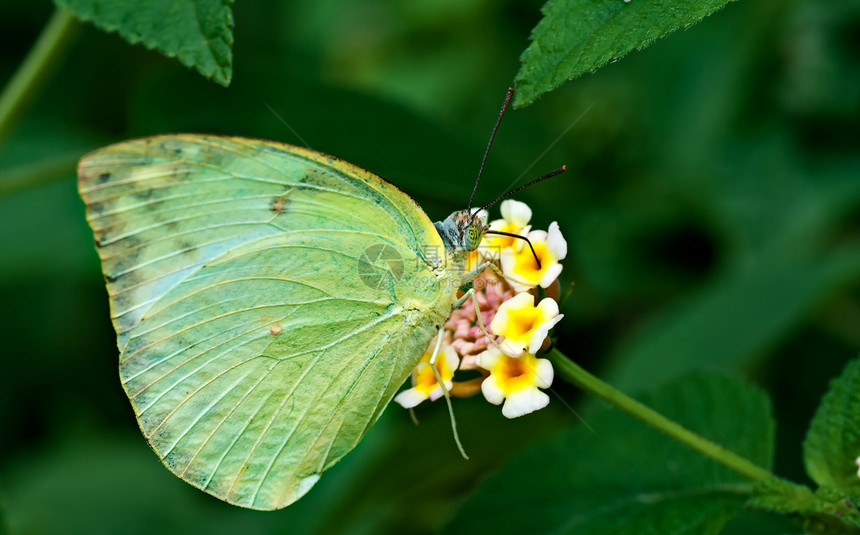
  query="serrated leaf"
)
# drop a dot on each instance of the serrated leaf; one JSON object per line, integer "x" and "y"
{"x": 834, "y": 509}
{"x": 199, "y": 33}
{"x": 828, "y": 510}
{"x": 781, "y": 496}
{"x": 578, "y": 36}
{"x": 833, "y": 441}
{"x": 626, "y": 478}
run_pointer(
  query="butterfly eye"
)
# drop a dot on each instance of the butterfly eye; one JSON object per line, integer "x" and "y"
{"x": 473, "y": 237}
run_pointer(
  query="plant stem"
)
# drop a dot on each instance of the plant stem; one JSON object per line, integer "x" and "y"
{"x": 21, "y": 89}
{"x": 576, "y": 375}
{"x": 38, "y": 173}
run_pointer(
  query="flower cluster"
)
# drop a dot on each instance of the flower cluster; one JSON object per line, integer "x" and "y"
{"x": 507, "y": 369}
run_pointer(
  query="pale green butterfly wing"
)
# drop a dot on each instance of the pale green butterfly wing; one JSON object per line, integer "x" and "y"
{"x": 253, "y": 352}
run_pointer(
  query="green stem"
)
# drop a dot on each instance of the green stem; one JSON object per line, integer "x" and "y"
{"x": 38, "y": 174}
{"x": 573, "y": 373}
{"x": 21, "y": 89}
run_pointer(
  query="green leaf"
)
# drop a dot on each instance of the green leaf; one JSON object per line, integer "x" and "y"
{"x": 781, "y": 496}
{"x": 833, "y": 441}
{"x": 760, "y": 523}
{"x": 828, "y": 510}
{"x": 199, "y": 33}
{"x": 578, "y": 36}
{"x": 626, "y": 478}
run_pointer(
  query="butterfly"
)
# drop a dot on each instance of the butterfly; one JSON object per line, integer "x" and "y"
{"x": 268, "y": 302}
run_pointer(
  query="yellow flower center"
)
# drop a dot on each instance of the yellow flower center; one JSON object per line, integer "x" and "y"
{"x": 515, "y": 373}
{"x": 503, "y": 242}
{"x": 522, "y": 322}
{"x": 527, "y": 265}
{"x": 425, "y": 379}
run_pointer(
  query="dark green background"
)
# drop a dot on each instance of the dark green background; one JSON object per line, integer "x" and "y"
{"x": 711, "y": 213}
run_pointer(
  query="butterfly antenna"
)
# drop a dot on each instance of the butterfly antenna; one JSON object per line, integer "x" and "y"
{"x": 551, "y": 174}
{"x": 511, "y": 235}
{"x": 490, "y": 144}
{"x": 293, "y": 130}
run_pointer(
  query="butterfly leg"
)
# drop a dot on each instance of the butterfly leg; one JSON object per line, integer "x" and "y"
{"x": 480, "y": 321}
{"x": 468, "y": 277}
{"x": 445, "y": 391}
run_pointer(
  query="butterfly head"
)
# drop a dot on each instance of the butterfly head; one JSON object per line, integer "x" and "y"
{"x": 463, "y": 231}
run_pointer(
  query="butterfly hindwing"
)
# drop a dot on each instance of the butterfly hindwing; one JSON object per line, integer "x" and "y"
{"x": 253, "y": 352}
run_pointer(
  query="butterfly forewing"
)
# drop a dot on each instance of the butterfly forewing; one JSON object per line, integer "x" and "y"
{"x": 254, "y": 352}
{"x": 161, "y": 207}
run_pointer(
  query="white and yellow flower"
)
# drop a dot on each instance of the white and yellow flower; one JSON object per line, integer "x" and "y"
{"x": 520, "y": 267}
{"x": 424, "y": 383}
{"x": 523, "y": 325}
{"x": 515, "y": 380}
{"x": 515, "y": 220}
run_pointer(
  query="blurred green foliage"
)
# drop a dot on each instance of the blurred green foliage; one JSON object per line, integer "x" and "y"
{"x": 588, "y": 481}
{"x": 711, "y": 213}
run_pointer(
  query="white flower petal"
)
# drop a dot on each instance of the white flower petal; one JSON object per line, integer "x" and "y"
{"x": 489, "y": 358}
{"x": 437, "y": 392}
{"x": 451, "y": 360}
{"x": 498, "y": 224}
{"x": 538, "y": 335}
{"x": 492, "y": 391}
{"x": 509, "y": 261}
{"x": 537, "y": 236}
{"x": 500, "y": 321}
{"x": 555, "y": 242}
{"x": 548, "y": 307}
{"x": 518, "y": 284}
{"x": 518, "y": 302}
{"x": 514, "y": 348}
{"x": 509, "y": 265}
{"x": 543, "y": 373}
{"x": 536, "y": 338}
{"x": 523, "y": 402}
{"x": 547, "y": 277}
{"x": 516, "y": 212}
{"x": 524, "y": 232}
{"x": 410, "y": 398}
